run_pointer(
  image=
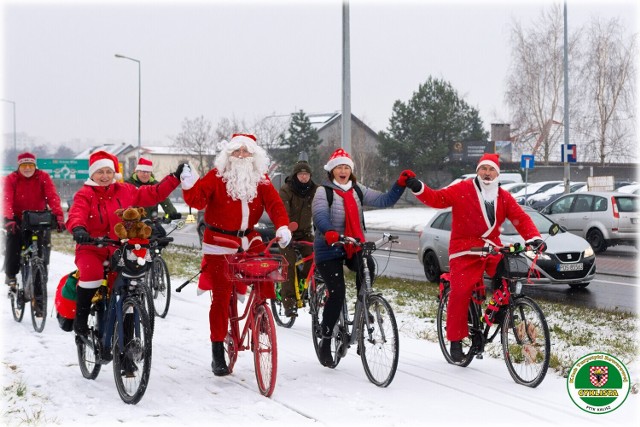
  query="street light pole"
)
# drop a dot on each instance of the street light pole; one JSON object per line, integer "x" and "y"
{"x": 139, "y": 98}
{"x": 15, "y": 147}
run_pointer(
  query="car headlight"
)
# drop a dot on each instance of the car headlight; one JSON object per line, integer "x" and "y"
{"x": 531, "y": 255}
{"x": 588, "y": 252}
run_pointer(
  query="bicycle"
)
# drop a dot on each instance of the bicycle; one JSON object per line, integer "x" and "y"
{"x": 119, "y": 325}
{"x": 32, "y": 287}
{"x": 258, "y": 332}
{"x": 301, "y": 288}
{"x": 523, "y": 329}
{"x": 373, "y": 325}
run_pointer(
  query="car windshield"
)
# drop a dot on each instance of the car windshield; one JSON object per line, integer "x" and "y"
{"x": 542, "y": 224}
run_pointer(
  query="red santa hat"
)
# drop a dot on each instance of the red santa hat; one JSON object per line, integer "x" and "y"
{"x": 489, "y": 159}
{"x": 144, "y": 165}
{"x": 339, "y": 157}
{"x": 26, "y": 158}
{"x": 102, "y": 159}
{"x": 242, "y": 139}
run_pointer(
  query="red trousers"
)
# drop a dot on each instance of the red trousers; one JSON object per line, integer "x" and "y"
{"x": 465, "y": 272}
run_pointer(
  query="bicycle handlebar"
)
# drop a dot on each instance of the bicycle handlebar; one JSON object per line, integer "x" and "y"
{"x": 515, "y": 248}
{"x": 386, "y": 238}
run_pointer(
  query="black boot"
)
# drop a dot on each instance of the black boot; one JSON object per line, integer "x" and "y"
{"x": 325, "y": 357}
{"x": 456, "y": 351}
{"x": 219, "y": 365}
{"x": 83, "y": 307}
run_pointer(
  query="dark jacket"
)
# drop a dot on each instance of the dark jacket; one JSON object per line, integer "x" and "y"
{"x": 166, "y": 204}
{"x": 298, "y": 206}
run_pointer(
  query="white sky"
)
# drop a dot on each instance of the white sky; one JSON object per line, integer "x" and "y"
{"x": 249, "y": 59}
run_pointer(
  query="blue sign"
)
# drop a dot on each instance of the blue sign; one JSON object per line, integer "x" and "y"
{"x": 569, "y": 153}
{"x": 527, "y": 161}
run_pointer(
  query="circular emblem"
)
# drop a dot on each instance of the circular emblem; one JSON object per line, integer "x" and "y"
{"x": 598, "y": 383}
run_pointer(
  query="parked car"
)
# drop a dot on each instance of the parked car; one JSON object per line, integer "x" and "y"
{"x": 513, "y": 187}
{"x": 534, "y": 188}
{"x": 504, "y": 178}
{"x": 568, "y": 260}
{"x": 540, "y": 200}
{"x": 629, "y": 189}
{"x": 264, "y": 226}
{"x": 604, "y": 218}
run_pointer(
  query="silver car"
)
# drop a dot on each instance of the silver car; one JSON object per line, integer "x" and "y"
{"x": 568, "y": 260}
{"x": 604, "y": 218}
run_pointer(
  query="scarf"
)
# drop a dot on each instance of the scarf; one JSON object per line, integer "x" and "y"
{"x": 352, "y": 226}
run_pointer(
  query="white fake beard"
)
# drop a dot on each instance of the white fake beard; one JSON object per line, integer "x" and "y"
{"x": 489, "y": 190}
{"x": 241, "y": 179}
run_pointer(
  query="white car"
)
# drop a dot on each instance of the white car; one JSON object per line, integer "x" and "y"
{"x": 534, "y": 188}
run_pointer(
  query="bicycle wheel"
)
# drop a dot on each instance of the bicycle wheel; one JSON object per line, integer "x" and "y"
{"x": 277, "y": 308}
{"x": 17, "y": 303}
{"x": 441, "y": 322}
{"x": 39, "y": 297}
{"x": 132, "y": 351}
{"x": 160, "y": 287}
{"x": 317, "y": 301}
{"x": 265, "y": 350}
{"x": 88, "y": 356}
{"x": 526, "y": 343}
{"x": 147, "y": 300}
{"x": 378, "y": 345}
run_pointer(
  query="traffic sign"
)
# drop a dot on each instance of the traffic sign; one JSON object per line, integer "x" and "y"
{"x": 65, "y": 168}
{"x": 569, "y": 153}
{"x": 527, "y": 161}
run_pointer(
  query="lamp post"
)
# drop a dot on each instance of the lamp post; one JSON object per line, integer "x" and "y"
{"x": 139, "y": 98}
{"x": 15, "y": 148}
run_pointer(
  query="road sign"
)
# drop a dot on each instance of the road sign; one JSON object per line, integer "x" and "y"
{"x": 527, "y": 161}
{"x": 569, "y": 153}
{"x": 65, "y": 168}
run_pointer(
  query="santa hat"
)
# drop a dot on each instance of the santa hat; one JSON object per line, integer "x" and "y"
{"x": 339, "y": 157}
{"x": 102, "y": 159}
{"x": 26, "y": 158}
{"x": 242, "y": 139}
{"x": 144, "y": 165}
{"x": 489, "y": 159}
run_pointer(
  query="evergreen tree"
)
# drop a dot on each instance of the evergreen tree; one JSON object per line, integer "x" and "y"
{"x": 300, "y": 137}
{"x": 421, "y": 131}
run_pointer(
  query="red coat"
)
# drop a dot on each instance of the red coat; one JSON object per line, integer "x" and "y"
{"x": 34, "y": 193}
{"x": 94, "y": 206}
{"x": 210, "y": 193}
{"x": 470, "y": 226}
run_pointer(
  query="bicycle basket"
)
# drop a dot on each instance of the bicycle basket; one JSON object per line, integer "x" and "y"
{"x": 253, "y": 268}
{"x": 37, "y": 220}
{"x": 131, "y": 261}
{"x": 516, "y": 267}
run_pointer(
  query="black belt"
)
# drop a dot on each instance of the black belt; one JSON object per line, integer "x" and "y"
{"x": 237, "y": 233}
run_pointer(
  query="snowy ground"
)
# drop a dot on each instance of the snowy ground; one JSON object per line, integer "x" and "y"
{"x": 43, "y": 369}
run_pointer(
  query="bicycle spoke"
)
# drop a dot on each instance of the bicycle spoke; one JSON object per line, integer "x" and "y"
{"x": 378, "y": 343}
{"x": 265, "y": 350}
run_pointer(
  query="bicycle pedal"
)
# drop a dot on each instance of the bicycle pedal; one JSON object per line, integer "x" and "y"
{"x": 479, "y": 356}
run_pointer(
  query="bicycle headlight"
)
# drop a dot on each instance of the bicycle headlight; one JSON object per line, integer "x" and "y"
{"x": 516, "y": 288}
{"x": 588, "y": 252}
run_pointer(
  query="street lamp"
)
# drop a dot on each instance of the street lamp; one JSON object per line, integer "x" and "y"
{"x": 15, "y": 149}
{"x": 139, "y": 98}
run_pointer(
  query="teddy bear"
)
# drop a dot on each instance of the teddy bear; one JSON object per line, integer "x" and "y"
{"x": 132, "y": 226}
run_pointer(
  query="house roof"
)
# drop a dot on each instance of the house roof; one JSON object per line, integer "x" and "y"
{"x": 115, "y": 149}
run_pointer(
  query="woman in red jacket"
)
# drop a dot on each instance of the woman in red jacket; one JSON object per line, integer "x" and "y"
{"x": 93, "y": 215}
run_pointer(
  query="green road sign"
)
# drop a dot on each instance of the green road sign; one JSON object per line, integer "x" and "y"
{"x": 65, "y": 168}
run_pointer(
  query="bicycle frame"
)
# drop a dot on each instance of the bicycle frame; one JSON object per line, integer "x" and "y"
{"x": 240, "y": 338}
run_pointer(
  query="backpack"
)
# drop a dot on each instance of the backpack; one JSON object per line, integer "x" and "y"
{"x": 356, "y": 187}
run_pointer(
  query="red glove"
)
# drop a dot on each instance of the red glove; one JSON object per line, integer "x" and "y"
{"x": 404, "y": 175}
{"x": 331, "y": 237}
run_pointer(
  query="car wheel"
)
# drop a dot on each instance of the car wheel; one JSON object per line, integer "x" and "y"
{"x": 596, "y": 240}
{"x": 579, "y": 285}
{"x": 431, "y": 267}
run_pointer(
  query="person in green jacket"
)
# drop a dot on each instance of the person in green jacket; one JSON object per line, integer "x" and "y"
{"x": 143, "y": 175}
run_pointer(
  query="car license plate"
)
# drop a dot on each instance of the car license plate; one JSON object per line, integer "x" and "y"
{"x": 570, "y": 267}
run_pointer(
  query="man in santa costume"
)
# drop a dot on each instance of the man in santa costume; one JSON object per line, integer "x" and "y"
{"x": 479, "y": 207}
{"x": 233, "y": 195}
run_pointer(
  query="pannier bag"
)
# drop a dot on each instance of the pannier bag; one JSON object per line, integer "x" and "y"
{"x": 37, "y": 220}
{"x": 65, "y": 300}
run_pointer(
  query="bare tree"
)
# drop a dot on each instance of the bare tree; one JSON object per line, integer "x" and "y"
{"x": 269, "y": 129}
{"x": 607, "y": 94}
{"x": 535, "y": 80}
{"x": 197, "y": 139}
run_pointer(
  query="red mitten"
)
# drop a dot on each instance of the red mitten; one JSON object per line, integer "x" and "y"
{"x": 404, "y": 175}
{"x": 331, "y": 237}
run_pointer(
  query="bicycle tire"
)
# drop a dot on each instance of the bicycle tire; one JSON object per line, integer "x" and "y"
{"x": 265, "y": 350}
{"x": 88, "y": 357}
{"x": 132, "y": 361}
{"x": 317, "y": 300}
{"x": 379, "y": 346}
{"x": 526, "y": 343}
{"x": 147, "y": 300}
{"x": 38, "y": 279}
{"x": 17, "y": 303}
{"x": 441, "y": 325}
{"x": 161, "y": 287}
{"x": 277, "y": 308}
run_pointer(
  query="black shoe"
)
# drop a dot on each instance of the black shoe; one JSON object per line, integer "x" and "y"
{"x": 456, "y": 351}
{"x": 218, "y": 365}
{"x": 291, "y": 312}
{"x": 290, "y": 307}
{"x": 326, "y": 359}
{"x": 127, "y": 367}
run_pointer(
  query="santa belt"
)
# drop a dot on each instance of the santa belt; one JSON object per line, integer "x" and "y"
{"x": 237, "y": 233}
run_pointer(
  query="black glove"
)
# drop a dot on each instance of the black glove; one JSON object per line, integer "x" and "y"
{"x": 538, "y": 245}
{"x": 60, "y": 224}
{"x": 81, "y": 235}
{"x": 176, "y": 215}
{"x": 178, "y": 171}
{"x": 414, "y": 184}
{"x": 11, "y": 226}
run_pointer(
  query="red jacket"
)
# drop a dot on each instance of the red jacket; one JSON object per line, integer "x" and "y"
{"x": 470, "y": 226}
{"x": 222, "y": 212}
{"x": 35, "y": 193}
{"x": 94, "y": 207}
